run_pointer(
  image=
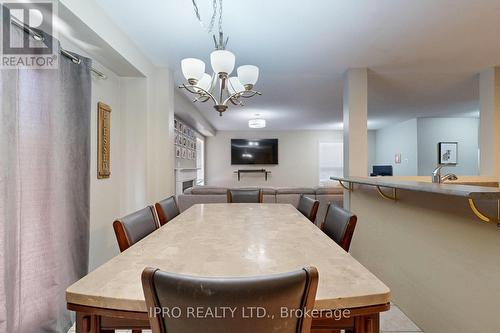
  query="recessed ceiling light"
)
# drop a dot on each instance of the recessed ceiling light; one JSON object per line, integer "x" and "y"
{"x": 257, "y": 122}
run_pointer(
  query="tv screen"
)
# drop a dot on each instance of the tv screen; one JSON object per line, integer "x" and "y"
{"x": 255, "y": 151}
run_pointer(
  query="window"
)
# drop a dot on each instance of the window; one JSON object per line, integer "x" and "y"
{"x": 200, "y": 161}
{"x": 331, "y": 161}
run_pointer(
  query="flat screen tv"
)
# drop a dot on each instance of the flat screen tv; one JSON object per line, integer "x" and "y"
{"x": 254, "y": 151}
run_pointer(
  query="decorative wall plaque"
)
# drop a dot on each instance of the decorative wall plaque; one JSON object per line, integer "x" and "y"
{"x": 103, "y": 140}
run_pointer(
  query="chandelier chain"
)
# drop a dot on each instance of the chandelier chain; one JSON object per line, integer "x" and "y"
{"x": 220, "y": 16}
{"x": 211, "y": 25}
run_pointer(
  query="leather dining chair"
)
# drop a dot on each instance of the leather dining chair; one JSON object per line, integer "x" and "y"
{"x": 166, "y": 210}
{"x": 308, "y": 207}
{"x": 339, "y": 225}
{"x": 294, "y": 290}
{"x": 244, "y": 196}
{"x": 132, "y": 228}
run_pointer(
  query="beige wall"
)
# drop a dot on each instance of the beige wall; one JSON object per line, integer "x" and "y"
{"x": 142, "y": 157}
{"x": 105, "y": 195}
{"x": 161, "y": 182}
{"x": 297, "y": 154}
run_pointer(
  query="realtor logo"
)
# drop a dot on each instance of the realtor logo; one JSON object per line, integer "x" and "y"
{"x": 28, "y": 35}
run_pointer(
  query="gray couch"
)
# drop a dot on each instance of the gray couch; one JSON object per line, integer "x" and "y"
{"x": 290, "y": 195}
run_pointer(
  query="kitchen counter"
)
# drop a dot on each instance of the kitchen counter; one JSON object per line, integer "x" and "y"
{"x": 470, "y": 191}
{"x": 435, "y": 246}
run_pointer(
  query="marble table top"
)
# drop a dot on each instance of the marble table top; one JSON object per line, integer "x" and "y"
{"x": 232, "y": 240}
{"x": 467, "y": 191}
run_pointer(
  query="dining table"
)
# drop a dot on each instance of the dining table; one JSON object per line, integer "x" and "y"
{"x": 232, "y": 240}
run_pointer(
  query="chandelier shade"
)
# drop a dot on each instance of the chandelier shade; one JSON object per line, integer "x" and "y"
{"x": 222, "y": 61}
{"x": 248, "y": 74}
{"x": 205, "y": 82}
{"x": 235, "y": 85}
{"x": 192, "y": 68}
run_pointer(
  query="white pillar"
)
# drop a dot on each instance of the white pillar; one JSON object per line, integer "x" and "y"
{"x": 355, "y": 109}
{"x": 355, "y": 99}
{"x": 489, "y": 125}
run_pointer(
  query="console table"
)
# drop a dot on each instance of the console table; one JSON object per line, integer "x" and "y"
{"x": 240, "y": 171}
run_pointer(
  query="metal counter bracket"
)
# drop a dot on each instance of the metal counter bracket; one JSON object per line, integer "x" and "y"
{"x": 385, "y": 196}
{"x": 483, "y": 217}
{"x": 350, "y": 188}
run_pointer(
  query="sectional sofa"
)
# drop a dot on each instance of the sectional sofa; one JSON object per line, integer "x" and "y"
{"x": 290, "y": 195}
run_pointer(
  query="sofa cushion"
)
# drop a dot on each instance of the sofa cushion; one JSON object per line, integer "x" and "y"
{"x": 295, "y": 190}
{"x": 185, "y": 201}
{"x": 208, "y": 190}
{"x": 329, "y": 190}
{"x": 268, "y": 191}
{"x": 269, "y": 198}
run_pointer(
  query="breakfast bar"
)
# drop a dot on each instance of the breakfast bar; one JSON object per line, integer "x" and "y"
{"x": 417, "y": 236}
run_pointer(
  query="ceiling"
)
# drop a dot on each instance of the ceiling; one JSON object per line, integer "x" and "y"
{"x": 423, "y": 56}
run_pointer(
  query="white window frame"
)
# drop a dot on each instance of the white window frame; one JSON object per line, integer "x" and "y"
{"x": 335, "y": 167}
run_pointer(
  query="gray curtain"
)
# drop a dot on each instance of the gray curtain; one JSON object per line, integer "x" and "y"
{"x": 44, "y": 195}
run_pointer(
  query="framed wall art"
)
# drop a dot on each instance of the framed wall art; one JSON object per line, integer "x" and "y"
{"x": 448, "y": 153}
{"x": 103, "y": 140}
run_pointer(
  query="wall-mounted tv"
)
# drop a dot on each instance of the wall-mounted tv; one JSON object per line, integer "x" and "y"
{"x": 254, "y": 151}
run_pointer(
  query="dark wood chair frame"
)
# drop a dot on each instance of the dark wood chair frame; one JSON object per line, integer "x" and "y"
{"x": 156, "y": 322}
{"x": 121, "y": 234}
{"x": 314, "y": 210}
{"x": 345, "y": 242}
{"x": 230, "y": 197}
{"x": 162, "y": 217}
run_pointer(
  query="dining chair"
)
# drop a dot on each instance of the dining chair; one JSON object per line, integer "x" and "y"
{"x": 244, "y": 196}
{"x": 308, "y": 207}
{"x": 166, "y": 210}
{"x": 132, "y": 228}
{"x": 339, "y": 225}
{"x": 293, "y": 290}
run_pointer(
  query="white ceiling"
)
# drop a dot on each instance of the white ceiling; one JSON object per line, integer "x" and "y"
{"x": 423, "y": 55}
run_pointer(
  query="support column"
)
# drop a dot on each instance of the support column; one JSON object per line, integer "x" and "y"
{"x": 355, "y": 110}
{"x": 489, "y": 125}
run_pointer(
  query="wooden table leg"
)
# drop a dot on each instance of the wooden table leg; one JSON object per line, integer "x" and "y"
{"x": 88, "y": 323}
{"x": 82, "y": 322}
{"x": 367, "y": 324}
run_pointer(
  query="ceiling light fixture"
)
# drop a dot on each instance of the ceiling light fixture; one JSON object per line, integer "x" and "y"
{"x": 204, "y": 86}
{"x": 257, "y": 122}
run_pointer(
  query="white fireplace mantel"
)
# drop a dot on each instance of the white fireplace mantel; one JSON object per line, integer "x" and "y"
{"x": 184, "y": 175}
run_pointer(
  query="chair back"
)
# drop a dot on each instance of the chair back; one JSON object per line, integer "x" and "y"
{"x": 166, "y": 210}
{"x": 339, "y": 225}
{"x": 132, "y": 228}
{"x": 294, "y": 290}
{"x": 244, "y": 196}
{"x": 308, "y": 207}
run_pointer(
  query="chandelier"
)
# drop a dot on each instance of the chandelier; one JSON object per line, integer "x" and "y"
{"x": 220, "y": 87}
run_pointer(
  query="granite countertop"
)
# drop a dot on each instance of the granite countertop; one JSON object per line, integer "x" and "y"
{"x": 460, "y": 190}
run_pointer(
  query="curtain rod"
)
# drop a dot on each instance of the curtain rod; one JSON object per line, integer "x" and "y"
{"x": 38, "y": 36}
